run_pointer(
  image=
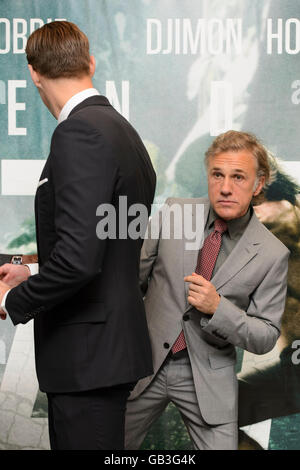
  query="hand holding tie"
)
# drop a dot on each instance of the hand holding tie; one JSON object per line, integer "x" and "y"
{"x": 202, "y": 294}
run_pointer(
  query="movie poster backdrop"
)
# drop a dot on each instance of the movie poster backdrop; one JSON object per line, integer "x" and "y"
{"x": 182, "y": 72}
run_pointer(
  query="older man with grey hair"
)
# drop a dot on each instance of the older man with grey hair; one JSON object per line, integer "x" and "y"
{"x": 202, "y": 303}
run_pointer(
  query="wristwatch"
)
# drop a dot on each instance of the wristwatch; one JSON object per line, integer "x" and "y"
{"x": 18, "y": 259}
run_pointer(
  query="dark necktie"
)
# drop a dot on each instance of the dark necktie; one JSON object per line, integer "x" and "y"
{"x": 207, "y": 258}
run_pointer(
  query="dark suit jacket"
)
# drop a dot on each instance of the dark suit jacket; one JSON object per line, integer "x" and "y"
{"x": 89, "y": 319}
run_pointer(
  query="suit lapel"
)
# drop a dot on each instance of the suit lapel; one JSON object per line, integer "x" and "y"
{"x": 246, "y": 248}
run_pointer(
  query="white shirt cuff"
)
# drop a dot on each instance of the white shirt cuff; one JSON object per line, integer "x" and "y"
{"x": 3, "y": 302}
{"x": 33, "y": 268}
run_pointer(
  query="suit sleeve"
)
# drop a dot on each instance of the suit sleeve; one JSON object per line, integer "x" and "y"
{"x": 150, "y": 246}
{"x": 83, "y": 173}
{"x": 257, "y": 329}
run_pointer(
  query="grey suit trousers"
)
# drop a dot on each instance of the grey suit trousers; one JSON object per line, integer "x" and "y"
{"x": 174, "y": 383}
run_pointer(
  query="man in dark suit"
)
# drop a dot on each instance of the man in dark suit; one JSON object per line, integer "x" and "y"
{"x": 91, "y": 337}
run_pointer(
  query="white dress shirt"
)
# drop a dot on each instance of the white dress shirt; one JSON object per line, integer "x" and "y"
{"x": 74, "y": 101}
{"x": 64, "y": 113}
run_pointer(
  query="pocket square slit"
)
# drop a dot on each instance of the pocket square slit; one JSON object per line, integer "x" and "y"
{"x": 42, "y": 182}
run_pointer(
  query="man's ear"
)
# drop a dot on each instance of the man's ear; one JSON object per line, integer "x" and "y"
{"x": 259, "y": 185}
{"x": 92, "y": 65}
{"x": 34, "y": 76}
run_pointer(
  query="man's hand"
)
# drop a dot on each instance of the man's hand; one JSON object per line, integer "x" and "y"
{"x": 202, "y": 294}
{"x": 3, "y": 289}
{"x": 14, "y": 274}
{"x": 11, "y": 275}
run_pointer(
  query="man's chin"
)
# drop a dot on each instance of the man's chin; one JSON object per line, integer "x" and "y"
{"x": 227, "y": 212}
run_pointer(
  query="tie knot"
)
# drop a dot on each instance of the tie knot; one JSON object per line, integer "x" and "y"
{"x": 220, "y": 225}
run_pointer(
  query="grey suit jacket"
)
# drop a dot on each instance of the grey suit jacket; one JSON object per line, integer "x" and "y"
{"x": 252, "y": 284}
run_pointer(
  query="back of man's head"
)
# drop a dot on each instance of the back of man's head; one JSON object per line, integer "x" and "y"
{"x": 59, "y": 50}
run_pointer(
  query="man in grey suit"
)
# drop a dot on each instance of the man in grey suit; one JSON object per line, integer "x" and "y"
{"x": 239, "y": 303}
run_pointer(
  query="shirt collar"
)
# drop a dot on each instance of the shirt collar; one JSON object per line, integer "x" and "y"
{"x": 74, "y": 101}
{"x": 236, "y": 227}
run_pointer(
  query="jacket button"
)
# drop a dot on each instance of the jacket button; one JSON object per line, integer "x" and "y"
{"x": 186, "y": 317}
{"x": 166, "y": 345}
